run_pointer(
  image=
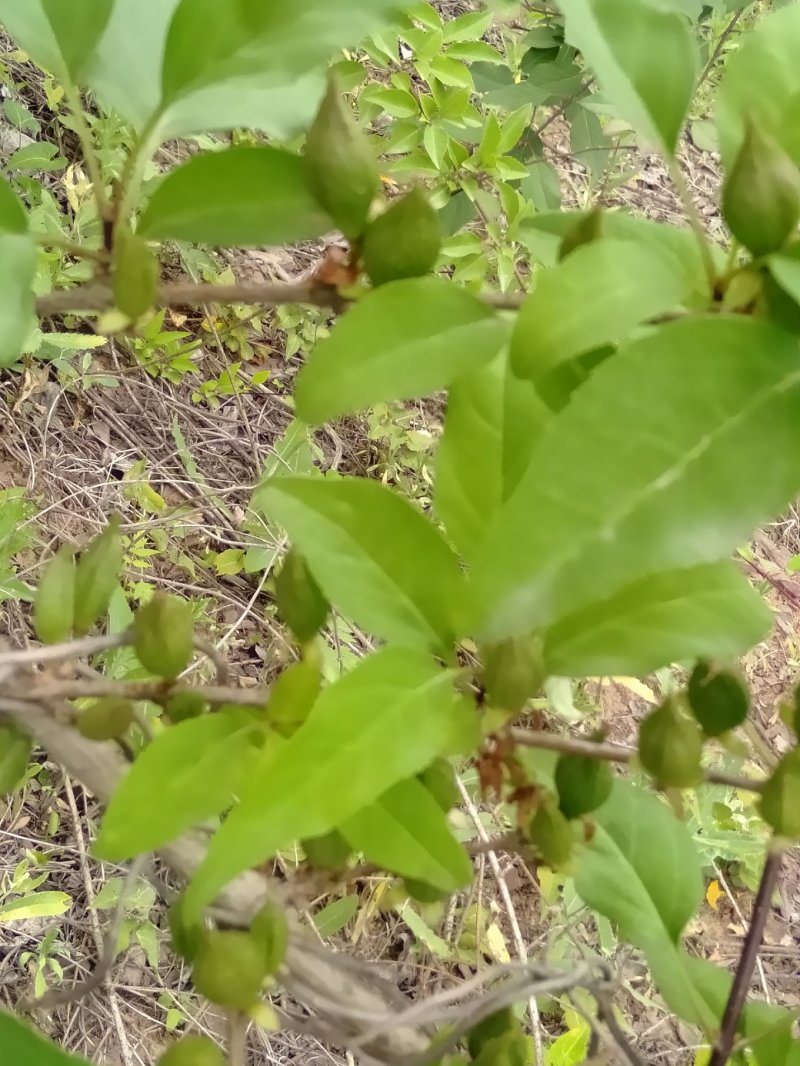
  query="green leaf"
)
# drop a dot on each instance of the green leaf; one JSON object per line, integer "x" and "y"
{"x": 17, "y": 269}
{"x": 587, "y": 140}
{"x": 645, "y": 59}
{"x": 709, "y": 611}
{"x": 187, "y": 774}
{"x": 492, "y": 423}
{"x": 15, "y": 754}
{"x": 406, "y": 832}
{"x": 657, "y": 462}
{"x": 382, "y": 722}
{"x": 640, "y": 869}
{"x": 403, "y": 340}
{"x": 35, "y": 905}
{"x": 239, "y": 196}
{"x": 373, "y": 554}
{"x": 593, "y": 297}
{"x": 542, "y": 186}
{"x": 762, "y": 84}
{"x": 282, "y": 36}
{"x": 13, "y": 218}
{"x": 543, "y": 234}
{"x": 77, "y": 26}
{"x": 24, "y": 1047}
{"x": 60, "y": 36}
{"x": 333, "y": 918}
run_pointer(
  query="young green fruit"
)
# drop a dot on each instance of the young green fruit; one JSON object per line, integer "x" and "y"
{"x": 229, "y": 969}
{"x": 270, "y": 931}
{"x": 404, "y": 241}
{"x": 187, "y": 939}
{"x": 780, "y": 796}
{"x": 54, "y": 606}
{"x": 185, "y": 705}
{"x": 105, "y": 719}
{"x": 294, "y": 694}
{"x": 513, "y": 672}
{"x": 551, "y": 834}
{"x": 341, "y": 169}
{"x": 134, "y": 275}
{"x": 761, "y": 197}
{"x": 719, "y": 699}
{"x": 15, "y": 754}
{"x": 163, "y": 633}
{"x": 439, "y": 779}
{"x": 329, "y": 851}
{"x": 96, "y": 576}
{"x": 193, "y": 1051}
{"x": 300, "y": 602}
{"x": 583, "y": 784}
{"x": 497, "y": 1024}
{"x": 670, "y": 747}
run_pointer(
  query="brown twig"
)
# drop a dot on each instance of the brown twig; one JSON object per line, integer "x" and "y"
{"x": 532, "y": 738}
{"x": 747, "y": 959}
{"x": 70, "y": 649}
{"x": 97, "y": 297}
{"x": 136, "y": 690}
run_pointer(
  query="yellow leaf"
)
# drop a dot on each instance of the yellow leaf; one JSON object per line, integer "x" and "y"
{"x": 493, "y": 942}
{"x": 637, "y": 687}
{"x": 713, "y": 893}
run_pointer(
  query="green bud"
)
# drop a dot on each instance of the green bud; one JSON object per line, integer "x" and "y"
{"x": 761, "y": 196}
{"x": 404, "y": 241}
{"x": 293, "y": 695}
{"x": 134, "y": 275}
{"x": 193, "y": 1050}
{"x": 718, "y": 699}
{"x": 185, "y": 705}
{"x": 513, "y": 672}
{"x": 105, "y": 719}
{"x": 54, "y": 606}
{"x": 670, "y": 746}
{"x": 551, "y": 834}
{"x": 780, "y": 796}
{"x": 439, "y": 779}
{"x": 583, "y": 784}
{"x": 587, "y": 229}
{"x": 300, "y": 602}
{"x": 187, "y": 939}
{"x": 329, "y": 851}
{"x": 341, "y": 169}
{"x": 229, "y": 969}
{"x": 15, "y": 754}
{"x": 97, "y": 575}
{"x": 270, "y": 931}
{"x": 163, "y": 632}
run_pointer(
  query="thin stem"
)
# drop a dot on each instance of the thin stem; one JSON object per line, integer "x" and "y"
{"x": 747, "y": 960}
{"x": 98, "y": 297}
{"x": 211, "y": 652}
{"x": 70, "y": 649}
{"x": 87, "y": 147}
{"x": 131, "y": 181}
{"x": 723, "y": 37}
{"x": 531, "y": 738}
{"x": 79, "y": 251}
{"x": 695, "y": 222}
